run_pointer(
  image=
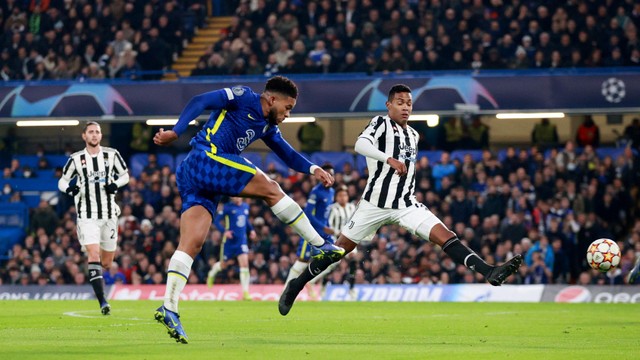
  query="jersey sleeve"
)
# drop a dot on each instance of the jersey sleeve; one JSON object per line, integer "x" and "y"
{"x": 68, "y": 173}
{"x": 217, "y": 222}
{"x": 286, "y": 152}
{"x": 120, "y": 169}
{"x": 226, "y": 98}
{"x": 374, "y": 130}
{"x": 310, "y": 211}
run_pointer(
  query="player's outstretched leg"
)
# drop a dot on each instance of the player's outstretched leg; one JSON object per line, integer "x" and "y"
{"x": 500, "y": 273}
{"x": 171, "y": 321}
{"x": 105, "y": 308}
{"x": 634, "y": 273}
{"x": 329, "y": 253}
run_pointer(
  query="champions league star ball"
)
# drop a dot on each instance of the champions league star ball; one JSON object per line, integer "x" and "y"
{"x": 603, "y": 255}
{"x": 613, "y": 90}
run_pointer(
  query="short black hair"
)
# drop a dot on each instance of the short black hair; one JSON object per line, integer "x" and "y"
{"x": 89, "y": 123}
{"x": 398, "y": 88}
{"x": 327, "y": 167}
{"x": 282, "y": 85}
{"x": 342, "y": 188}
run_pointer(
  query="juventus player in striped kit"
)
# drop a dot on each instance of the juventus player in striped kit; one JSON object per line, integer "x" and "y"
{"x": 100, "y": 171}
{"x": 390, "y": 146}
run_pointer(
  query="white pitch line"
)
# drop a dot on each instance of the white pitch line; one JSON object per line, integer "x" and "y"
{"x": 80, "y": 315}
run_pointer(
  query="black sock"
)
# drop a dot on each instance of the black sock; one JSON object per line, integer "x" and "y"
{"x": 352, "y": 273}
{"x": 95, "y": 278}
{"x": 465, "y": 256}
{"x": 315, "y": 267}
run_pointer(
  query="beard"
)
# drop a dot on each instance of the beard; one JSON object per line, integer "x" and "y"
{"x": 272, "y": 117}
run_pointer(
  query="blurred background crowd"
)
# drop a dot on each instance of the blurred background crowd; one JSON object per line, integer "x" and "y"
{"x": 71, "y": 39}
{"x": 545, "y": 204}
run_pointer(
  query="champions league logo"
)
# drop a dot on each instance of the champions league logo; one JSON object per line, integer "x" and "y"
{"x": 469, "y": 90}
{"x": 27, "y": 103}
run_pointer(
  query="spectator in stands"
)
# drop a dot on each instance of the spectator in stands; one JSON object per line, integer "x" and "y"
{"x": 44, "y": 217}
{"x": 632, "y": 132}
{"x": 453, "y": 134}
{"x": 545, "y": 134}
{"x": 588, "y": 133}
{"x": 478, "y": 134}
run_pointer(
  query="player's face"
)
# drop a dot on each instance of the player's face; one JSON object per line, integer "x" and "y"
{"x": 400, "y": 107}
{"x": 92, "y": 136}
{"x": 236, "y": 200}
{"x": 342, "y": 198}
{"x": 280, "y": 109}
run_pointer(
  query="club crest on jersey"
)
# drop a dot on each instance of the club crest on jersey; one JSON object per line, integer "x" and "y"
{"x": 237, "y": 90}
{"x": 243, "y": 142}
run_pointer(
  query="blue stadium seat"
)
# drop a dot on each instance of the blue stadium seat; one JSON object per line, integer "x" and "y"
{"x": 335, "y": 158}
{"x": 476, "y": 155}
{"x": 609, "y": 151}
{"x": 33, "y": 184}
{"x": 432, "y": 155}
{"x": 32, "y": 201}
{"x": 180, "y": 157}
{"x": 27, "y": 160}
{"x": 361, "y": 163}
{"x": 281, "y": 167}
{"x": 56, "y": 160}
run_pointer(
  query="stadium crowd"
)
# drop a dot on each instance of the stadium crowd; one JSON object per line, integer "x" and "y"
{"x": 546, "y": 207}
{"x": 69, "y": 39}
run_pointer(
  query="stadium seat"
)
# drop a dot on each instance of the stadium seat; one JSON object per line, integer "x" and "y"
{"x": 476, "y": 155}
{"x": 180, "y": 157}
{"x": 609, "y": 151}
{"x": 56, "y": 160}
{"x": 335, "y": 158}
{"x": 361, "y": 163}
{"x": 32, "y": 184}
{"x": 432, "y": 155}
{"x": 28, "y": 160}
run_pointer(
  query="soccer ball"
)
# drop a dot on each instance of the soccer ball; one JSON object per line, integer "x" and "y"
{"x": 613, "y": 90}
{"x": 603, "y": 255}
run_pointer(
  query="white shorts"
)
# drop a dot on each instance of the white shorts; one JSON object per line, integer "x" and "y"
{"x": 368, "y": 218}
{"x": 103, "y": 232}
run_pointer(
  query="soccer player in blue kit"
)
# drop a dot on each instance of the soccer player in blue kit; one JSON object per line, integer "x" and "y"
{"x": 235, "y": 215}
{"x": 317, "y": 210}
{"x": 214, "y": 168}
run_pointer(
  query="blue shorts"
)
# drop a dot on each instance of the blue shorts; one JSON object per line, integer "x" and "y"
{"x": 306, "y": 251}
{"x": 204, "y": 178}
{"x": 231, "y": 249}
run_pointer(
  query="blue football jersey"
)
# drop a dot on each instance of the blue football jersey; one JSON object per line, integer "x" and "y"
{"x": 236, "y": 219}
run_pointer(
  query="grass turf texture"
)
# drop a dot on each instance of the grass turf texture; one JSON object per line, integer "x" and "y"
{"x": 255, "y": 330}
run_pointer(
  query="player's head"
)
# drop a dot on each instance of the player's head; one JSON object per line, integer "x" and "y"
{"x": 281, "y": 95}
{"x": 236, "y": 200}
{"x": 342, "y": 195}
{"x": 400, "y": 103}
{"x": 92, "y": 134}
{"x": 328, "y": 168}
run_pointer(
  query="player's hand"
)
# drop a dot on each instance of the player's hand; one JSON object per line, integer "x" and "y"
{"x": 111, "y": 188}
{"x": 328, "y": 230}
{"x": 324, "y": 177}
{"x": 72, "y": 190}
{"x": 253, "y": 235}
{"x": 164, "y": 138}
{"x": 398, "y": 166}
{"x": 228, "y": 234}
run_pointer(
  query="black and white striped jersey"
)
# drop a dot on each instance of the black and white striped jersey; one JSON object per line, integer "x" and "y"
{"x": 339, "y": 215}
{"x": 93, "y": 174}
{"x": 385, "y": 188}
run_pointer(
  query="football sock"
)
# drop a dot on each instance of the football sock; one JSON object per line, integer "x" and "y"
{"x": 95, "y": 278}
{"x": 291, "y": 214}
{"x": 461, "y": 254}
{"x": 295, "y": 271}
{"x": 353, "y": 266}
{"x": 215, "y": 269}
{"x": 244, "y": 279}
{"x": 316, "y": 266}
{"x": 177, "y": 275}
{"x": 324, "y": 273}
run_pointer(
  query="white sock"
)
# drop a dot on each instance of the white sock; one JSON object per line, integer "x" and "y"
{"x": 295, "y": 271}
{"x": 291, "y": 214}
{"x": 244, "y": 279}
{"x": 177, "y": 276}
{"x": 324, "y": 273}
{"x": 215, "y": 269}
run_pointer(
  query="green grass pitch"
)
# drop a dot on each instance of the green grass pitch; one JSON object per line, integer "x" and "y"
{"x": 324, "y": 330}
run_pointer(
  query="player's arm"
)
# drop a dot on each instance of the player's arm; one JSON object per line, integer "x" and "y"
{"x": 218, "y": 99}
{"x": 68, "y": 173}
{"x": 294, "y": 159}
{"x": 365, "y": 147}
{"x": 120, "y": 169}
{"x": 217, "y": 221}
